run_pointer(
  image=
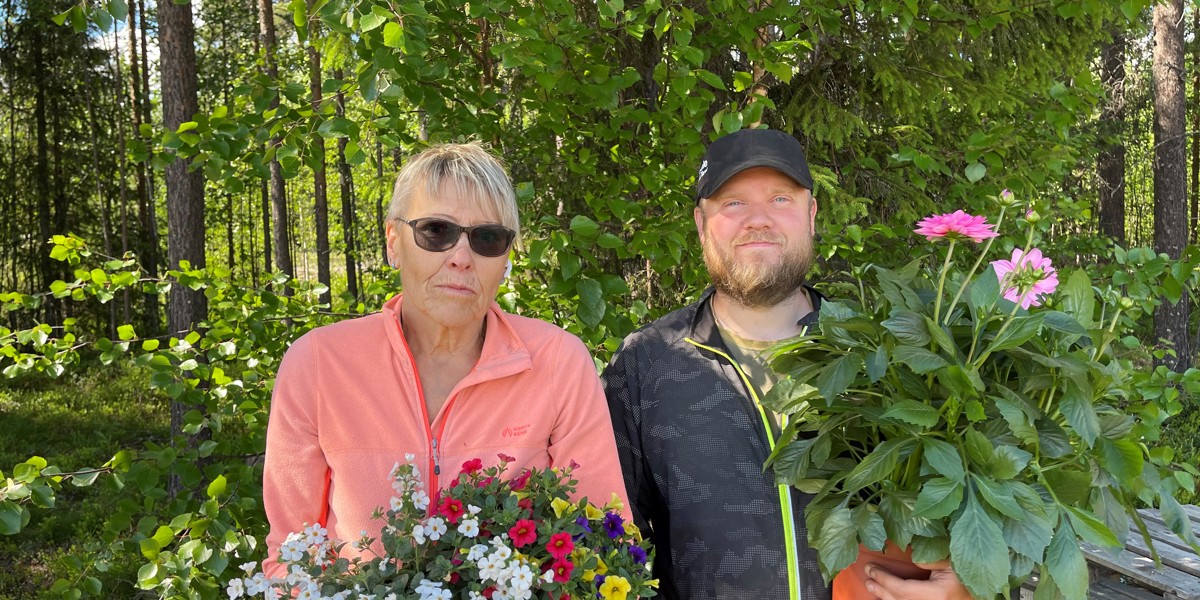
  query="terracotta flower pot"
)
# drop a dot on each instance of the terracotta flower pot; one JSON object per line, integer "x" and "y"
{"x": 850, "y": 584}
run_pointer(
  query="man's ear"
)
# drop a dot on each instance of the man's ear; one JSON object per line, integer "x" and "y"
{"x": 698, "y": 216}
{"x": 812, "y": 212}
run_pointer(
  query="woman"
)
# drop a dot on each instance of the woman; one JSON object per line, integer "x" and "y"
{"x": 441, "y": 372}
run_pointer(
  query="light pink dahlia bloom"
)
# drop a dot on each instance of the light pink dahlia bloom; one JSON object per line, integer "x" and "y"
{"x": 1028, "y": 277}
{"x": 955, "y": 225}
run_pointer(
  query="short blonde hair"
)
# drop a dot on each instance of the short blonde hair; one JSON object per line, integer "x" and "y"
{"x": 470, "y": 168}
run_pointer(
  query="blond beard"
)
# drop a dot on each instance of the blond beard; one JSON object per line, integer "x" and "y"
{"x": 757, "y": 284}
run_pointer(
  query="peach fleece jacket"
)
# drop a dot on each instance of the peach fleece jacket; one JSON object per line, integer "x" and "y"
{"x": 347, "y": 402}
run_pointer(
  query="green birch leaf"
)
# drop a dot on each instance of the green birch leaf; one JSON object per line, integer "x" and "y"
{"x": 591, "y": 301}
{"x": 911, "y": 411}
{"x": 13, "y": 517}
{"x": 975, "y": 171}
{"x": 943, "y": 458}
{"x": 1066, "y": 563}
{"x": 879, "y": 464}
{"x": 393, "y": 35}
{"x": 939, "y": 498}
{"x": 920, "y": 360}
{"x": 978, "y": 552}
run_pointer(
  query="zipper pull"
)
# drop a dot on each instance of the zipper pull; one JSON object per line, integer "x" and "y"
{"x": 437, "y": 460}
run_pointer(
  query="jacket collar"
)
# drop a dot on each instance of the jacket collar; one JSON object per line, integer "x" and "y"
{"x": 704, "y": 321}
{"x": 504, "y": 353}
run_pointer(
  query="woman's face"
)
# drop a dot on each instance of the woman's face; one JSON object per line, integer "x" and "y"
{"x": 453, "y": 288}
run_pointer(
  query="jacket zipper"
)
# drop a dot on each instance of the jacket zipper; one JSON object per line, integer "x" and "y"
{"x": 785, "y": 495}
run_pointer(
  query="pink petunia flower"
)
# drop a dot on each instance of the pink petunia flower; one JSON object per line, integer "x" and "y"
{"x": 523, "y": 532}
{"x": 955, "y": 225}
{"x": 1028, "y": 277}
{"x": 560, "y": 545}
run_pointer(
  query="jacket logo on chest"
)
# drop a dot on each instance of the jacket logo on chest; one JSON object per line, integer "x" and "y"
{"x": 515, "y": 431}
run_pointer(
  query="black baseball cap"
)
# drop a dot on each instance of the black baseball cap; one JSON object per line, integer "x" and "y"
{"x": 748, "y": 148}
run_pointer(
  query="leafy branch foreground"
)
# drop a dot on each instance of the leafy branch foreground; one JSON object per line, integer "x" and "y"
{"x": 186, "y": 545}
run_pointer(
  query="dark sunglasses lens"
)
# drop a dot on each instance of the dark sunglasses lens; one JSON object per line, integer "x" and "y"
{"x": 437, "y": 235}
{"x": 490, "y": 240}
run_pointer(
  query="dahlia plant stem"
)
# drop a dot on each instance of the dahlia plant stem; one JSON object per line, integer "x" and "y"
{"x": 1098, "y": 351}
{"x": 1011, "y": 315}
{"x": 937, "y": 305}
{"x": 967, "y": 280}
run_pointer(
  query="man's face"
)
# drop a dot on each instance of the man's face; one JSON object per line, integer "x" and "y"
{"x": 757, "y": 232}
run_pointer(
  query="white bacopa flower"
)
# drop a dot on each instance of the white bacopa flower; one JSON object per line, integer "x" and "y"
{"x": 291, "y": 551}
{"x": 391, "y": 596}
{"x": 469, "y": 528}
{"x": 477, "y": 552}
{"x": 296, "y": 575}
{"x": 474, "y": 510}
{"x": 409, "y": 457}
{"x": 315, "y": 534}
{"x": 249, "y": 567}
{"x": 548, "y": 576}
{"x": 418, "y": 534}
{"x": 308, "y": 594}
{"x": 256, "y": 585}
{"x": 420, "y": 500}
{"x": 435, "y": 527}
{"x": 521, "y": 594}
{"x": 473, "y": 595}
{"x": 522, "y": 578}
{"x": 235, "y": 589}
{"x": 502, "y": 552}
{"x": 396, "y": 504}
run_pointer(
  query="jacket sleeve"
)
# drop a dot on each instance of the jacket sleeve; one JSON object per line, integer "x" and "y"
{"x": 295, "y": 472}
{"x": 582, "y": 432}
{"x": 622, "y": 387}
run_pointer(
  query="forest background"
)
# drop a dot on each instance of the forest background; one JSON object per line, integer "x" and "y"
{"x": 187, "y": 187}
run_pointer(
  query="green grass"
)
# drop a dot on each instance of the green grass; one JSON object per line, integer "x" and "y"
{"x": 73, "y": 422}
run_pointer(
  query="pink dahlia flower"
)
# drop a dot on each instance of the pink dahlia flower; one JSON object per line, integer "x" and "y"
{"x": 957, "y": 224}
{"x": 1028, "y": 277}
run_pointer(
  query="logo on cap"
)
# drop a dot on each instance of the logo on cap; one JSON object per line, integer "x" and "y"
{"x": 703, "y": 169}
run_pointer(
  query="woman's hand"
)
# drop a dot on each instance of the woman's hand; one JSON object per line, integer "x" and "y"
{"x": 943, "y": 584}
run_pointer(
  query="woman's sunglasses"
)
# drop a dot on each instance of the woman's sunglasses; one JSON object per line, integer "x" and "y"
{"x": 439, "y": 235}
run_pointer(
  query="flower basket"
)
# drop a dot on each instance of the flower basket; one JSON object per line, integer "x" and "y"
{"x": 972, "y": 415}
{"x": 483, "y": 537}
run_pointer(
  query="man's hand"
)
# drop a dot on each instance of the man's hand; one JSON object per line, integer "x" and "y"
{"x": 943, "y": 584}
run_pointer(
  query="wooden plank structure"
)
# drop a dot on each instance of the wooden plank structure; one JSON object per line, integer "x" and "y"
{"x": 1130, "y": 574}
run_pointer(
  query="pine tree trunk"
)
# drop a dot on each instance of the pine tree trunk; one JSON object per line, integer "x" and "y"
{"x": 1195, "y": 224}
{"x": 185, "y": 191}
{"x": 279, "y": 206}
{"x": 1111, "y": 162}
{"x": 346, "y": 192}
{"x": 145, "y": 191}
{"x": 1170, "y": 169}
{"x": 320, "y": 195}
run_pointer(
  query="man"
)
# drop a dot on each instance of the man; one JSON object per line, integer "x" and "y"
{"x": 684, "y": 393}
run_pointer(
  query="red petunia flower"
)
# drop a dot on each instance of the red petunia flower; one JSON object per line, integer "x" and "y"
{"x": 562, "y": 570}
{"x": 451, "y": 508}
{"x": 523, "y": 533}
{"x": 518, "y": 482}
{"x": 560, "y": 545}
{"x": 472, "y": 466}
